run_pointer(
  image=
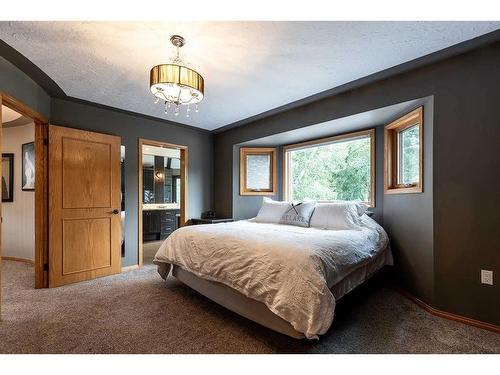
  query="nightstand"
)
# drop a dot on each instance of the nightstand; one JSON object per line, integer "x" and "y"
{"x": 210, "y": 221}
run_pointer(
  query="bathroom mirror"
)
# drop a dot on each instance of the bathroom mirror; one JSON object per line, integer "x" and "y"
{"x": 161, "y": 173}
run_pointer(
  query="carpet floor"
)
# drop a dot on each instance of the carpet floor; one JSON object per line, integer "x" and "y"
{"x": 138, "y": 312}
{"x": 149, "y": 250}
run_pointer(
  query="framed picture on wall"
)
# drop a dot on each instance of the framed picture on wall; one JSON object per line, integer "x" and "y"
{"x": 7, "y": 177}
{"x": 28, "y": 163}
{"x": 257, "y": 171}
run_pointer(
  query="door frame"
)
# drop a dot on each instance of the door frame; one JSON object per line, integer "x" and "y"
{"x": 41, "y": 187}
{"x": 184, "y": 189}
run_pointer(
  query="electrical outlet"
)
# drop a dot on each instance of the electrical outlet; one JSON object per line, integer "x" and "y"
{"x": 486, "y": 277}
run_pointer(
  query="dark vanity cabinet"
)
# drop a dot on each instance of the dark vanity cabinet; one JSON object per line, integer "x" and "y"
{"x": 158, "y": 224}
{"x": 161, "y": 196}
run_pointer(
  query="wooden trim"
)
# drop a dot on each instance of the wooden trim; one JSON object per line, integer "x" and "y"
{"x": 41, "y": 173}
{"x": 327, "y": 140}
{"x": 450, "y": 316}
{"x": 16, "y": 259}
{"x": 41, "y": 205}
{"x": 244, "y": 152}
{"x": 184, "y": 191}
{"x": 184, "y": 182}
{"x": 391, "y": 164}
{"x": 130, "y": 268}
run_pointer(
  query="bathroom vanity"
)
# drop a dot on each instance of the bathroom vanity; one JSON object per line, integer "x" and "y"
{"x": 161, "y": 196}
{"x": 158, "y": 222}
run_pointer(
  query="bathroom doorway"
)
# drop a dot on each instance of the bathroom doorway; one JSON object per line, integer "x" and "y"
{"x": 162, "y": 194}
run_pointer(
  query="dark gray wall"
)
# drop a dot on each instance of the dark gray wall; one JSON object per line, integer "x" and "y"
{"x": 17, "y": 84}
{"x": 466, "y": 139}
{"x": 408, "y": 219}
{"x": 131, "y": 128}
{"x": 412, "y": 249}
{"x": 465, "y": 162}
{"x": 245, "y": 206}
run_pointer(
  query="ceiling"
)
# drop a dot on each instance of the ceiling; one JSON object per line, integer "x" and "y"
{"x": 249, "y": 67}
{"x": 9, "y": 115}
{"x": 11, "y": 118}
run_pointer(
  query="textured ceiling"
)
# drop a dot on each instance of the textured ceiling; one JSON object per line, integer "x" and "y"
{"x": 9, "y": 114}
{"x": 249, "y": 67}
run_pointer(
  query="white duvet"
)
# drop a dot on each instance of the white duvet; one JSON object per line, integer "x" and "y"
{"x": 288, "y": 268}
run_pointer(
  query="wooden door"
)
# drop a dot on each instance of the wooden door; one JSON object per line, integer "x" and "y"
{"x": 84, "y": 205}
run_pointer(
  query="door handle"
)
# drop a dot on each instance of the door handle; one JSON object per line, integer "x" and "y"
{"x": 115, "y": 212}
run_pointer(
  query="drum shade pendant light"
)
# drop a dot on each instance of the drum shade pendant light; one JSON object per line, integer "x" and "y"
{"x": 175, "y": 84}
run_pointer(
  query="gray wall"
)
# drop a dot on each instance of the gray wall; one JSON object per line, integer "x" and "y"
{"x": 245, "y": 207}
{"x": 408, "y": 219}
{"x": 412, "y": 249}
{"x": 465, "y": 180}
{"x": 17, "y": 84}
{"x": 131, "y": 128}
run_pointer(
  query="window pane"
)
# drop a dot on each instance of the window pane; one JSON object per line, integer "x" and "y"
{"x": 258, "y": 172}
{"x": 337, "y": 171}
{"x": 409, "y": 155}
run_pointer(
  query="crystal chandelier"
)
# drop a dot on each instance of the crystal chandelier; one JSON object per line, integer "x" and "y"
{"x": 175, "y": 84}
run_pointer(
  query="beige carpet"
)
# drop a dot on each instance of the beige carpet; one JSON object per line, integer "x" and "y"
{"x": 149, "y": 250}
{"x": 137, "y": 312}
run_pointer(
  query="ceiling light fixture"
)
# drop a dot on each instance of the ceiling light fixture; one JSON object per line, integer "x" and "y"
{"x": 175, "y": 84}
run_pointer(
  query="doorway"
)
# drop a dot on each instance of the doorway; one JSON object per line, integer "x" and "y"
{"x": 162, "y": 194}
{"x": 83, "y": 194}
{"x": 23, "y": 171}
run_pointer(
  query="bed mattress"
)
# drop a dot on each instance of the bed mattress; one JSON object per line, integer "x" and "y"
{"x": 297, "y": 273}
{"x": 257, "y": 311}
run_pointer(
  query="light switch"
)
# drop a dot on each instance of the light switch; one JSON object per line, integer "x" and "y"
{"x": 487, "y": 277}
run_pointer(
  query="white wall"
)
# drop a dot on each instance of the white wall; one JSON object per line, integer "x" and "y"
{"x": 18, "y": 227}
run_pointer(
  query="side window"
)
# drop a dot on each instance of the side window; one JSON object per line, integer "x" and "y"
{"x": 403, "y": 142}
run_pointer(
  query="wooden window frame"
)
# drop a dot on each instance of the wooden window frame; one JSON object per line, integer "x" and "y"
{"x": 244, "y": 152}
{"x": 391, "y": 158}
{"x": 317, "y": 142}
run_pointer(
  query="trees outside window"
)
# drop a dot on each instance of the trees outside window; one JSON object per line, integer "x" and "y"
{"x": 336, "y": 168}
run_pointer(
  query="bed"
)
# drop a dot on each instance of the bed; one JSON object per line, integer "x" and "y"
{"x": 284, "y": 277}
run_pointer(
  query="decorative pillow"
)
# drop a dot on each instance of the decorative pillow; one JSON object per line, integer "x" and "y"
{"x": 298, "y": 214}
{"x": 338, "y": 215}
{"x": 271, "y": 211}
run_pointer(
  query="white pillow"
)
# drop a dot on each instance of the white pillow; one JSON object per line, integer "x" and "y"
{"x": 271, "y": 211}
{"x": 337, "y": 215}
{"x": 298, "y": 214}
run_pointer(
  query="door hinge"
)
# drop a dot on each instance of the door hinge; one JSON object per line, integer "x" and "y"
{"x": 45, "y": 142}
{"x": 45, "y": 266}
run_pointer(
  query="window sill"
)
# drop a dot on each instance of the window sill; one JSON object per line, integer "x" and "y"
{"x": 408, "y": 190}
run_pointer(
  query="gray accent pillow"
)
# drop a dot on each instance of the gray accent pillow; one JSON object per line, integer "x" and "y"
{"x": 298, "y": 214}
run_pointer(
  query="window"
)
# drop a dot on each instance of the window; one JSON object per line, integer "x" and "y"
{"x": 330, "y": 169}
{"x": 403, "y": 154}
{"x": 257, "y": 171}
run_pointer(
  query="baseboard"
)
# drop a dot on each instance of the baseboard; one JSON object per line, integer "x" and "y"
{"x": 130, "y": 268}
{"x": 447, "y": 315}
{"x": 15, "y": 259}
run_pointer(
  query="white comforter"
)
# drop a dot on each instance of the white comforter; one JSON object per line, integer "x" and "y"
{"x": 288, "y": 268}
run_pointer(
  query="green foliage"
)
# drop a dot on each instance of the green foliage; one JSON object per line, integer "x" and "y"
{"x": 409, "y": 143}
{"x": 338, "y": 171}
